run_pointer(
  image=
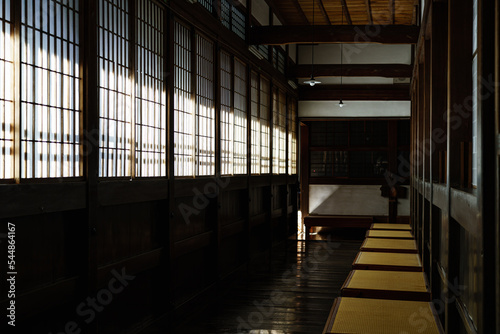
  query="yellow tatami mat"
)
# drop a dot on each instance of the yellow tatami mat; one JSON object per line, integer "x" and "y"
{"x": 389, "y": 234}
{"x": 379, "y": 316}
{"x": 389, "y": 245}
{"x": 387, "y": 261}
{"x": 379, "y": 284}
{"x": 384, "y": 226}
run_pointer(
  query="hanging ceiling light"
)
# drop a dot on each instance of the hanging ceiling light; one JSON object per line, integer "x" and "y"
{"x": 312, "y": 81}
{"x": 341, "y": 104}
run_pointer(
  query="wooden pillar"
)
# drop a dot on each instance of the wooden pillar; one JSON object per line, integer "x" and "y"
{"x": 426, "y": 153}
{"x": 438, "y": 129}
{"x": 423, "y": 159}
{"x": 217, "y": 11}
{"x": 248, "y": 193}
{"x": 287, "y": 190}
{"x": 427, "y": 101}
{"x": 169, "y": 250}
{"x": 497, "y": 167}
{"x": 393, "y": 167}
{"x": 459, "y": 116}
{"x": 248, "y": 18}
{"x": 91, "y": 105}
{"x": 439, "y": 84}
{"x": 272, "y": 178}
{"x": 459, "y": 86}
{"x": 304, "y": 171}
{"x": 412, "y": 157}
{"x": 421, "y": 154}
{"x": 488, "y": 120}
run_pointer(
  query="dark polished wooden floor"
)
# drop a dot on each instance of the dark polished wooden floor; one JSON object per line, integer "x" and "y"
{"x": 291, "y": 293}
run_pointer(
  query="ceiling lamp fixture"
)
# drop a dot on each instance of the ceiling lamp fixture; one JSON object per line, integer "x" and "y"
{"x": 341, "y": 104}
{"x": 312, "y": 81}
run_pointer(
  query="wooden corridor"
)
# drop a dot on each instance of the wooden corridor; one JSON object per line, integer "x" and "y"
{"x": 302, "y": 281}
{"x": 384, "y": 300}
{"x": 159, "y": 158}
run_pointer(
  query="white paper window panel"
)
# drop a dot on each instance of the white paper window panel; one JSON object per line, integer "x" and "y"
{"x": 50, "y": 89}
{"x": 6, "y": 93}
{"x": 184, "y": 120}
{"x": 227, "y": 116}
{"x": 205, "y": 107}
{"x": 240, "y": 118}
{"x": 255, "y": 124}
{"x": 150, "y": 94}
{"x": 265, "y": 137}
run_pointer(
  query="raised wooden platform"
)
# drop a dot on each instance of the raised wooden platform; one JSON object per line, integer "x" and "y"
{"x": 387, "y": 261}
{"x": 385, "y": 226}
{"x": 377, "y": 284}
{"x": 389, "y": 234}
{"x": 337, "y": 221}
{"x": 389, "y": 245}
{"x": 379, "y": 316}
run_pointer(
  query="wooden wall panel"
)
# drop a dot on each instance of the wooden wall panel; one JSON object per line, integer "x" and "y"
{"x": 461, "y": 217}
{"x": 133, "y": 304}
{"x": 259, "y": 239}
{"x": 259, "y": 199}
{"x": 231, "y": 254}
{"x": 73, "y": 233}
{"x": 127, "y": 230}
{"x": 279, "y": 229}
{"x": 45, "y": 322}
{"x": 469, "y": 272}
{"x": 425, "y": 251}
{"x": 191, "y": 217}
{"x": 434, "y": 277}
{"x": 279, "y": 197}
{"x": 49, "y": 248}
{"x": 233, "y": 206}
{"x": 192, "y": 273}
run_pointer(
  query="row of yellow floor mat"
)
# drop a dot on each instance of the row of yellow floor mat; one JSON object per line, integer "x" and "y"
{"x": 387, "y": 290}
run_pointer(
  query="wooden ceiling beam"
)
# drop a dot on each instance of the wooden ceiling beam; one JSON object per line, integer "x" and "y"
{"x": 383, "y": 34}
{"x": 352, "y": 70}
{"x": 369, "y": 11}
{"x": 355, "y": 92}
{"x": 301, "y": 12}
{"x": 345, "y": 12}
{"x": 323, "y": 11}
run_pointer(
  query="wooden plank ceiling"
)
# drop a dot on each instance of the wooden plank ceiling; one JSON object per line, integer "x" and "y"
{"x": 356, "y": 12}
{"x": 339, "y": 21}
